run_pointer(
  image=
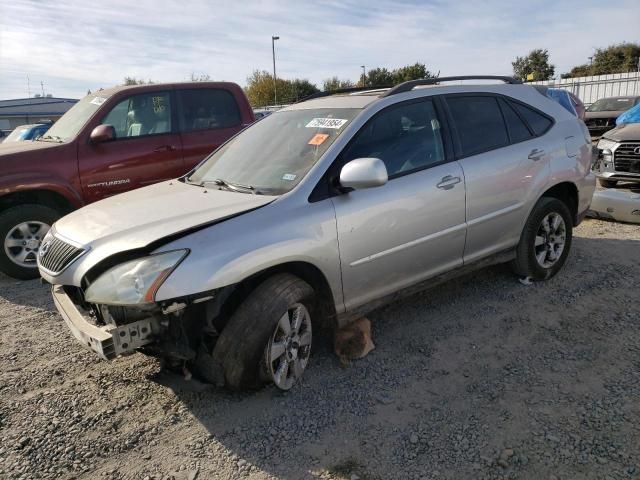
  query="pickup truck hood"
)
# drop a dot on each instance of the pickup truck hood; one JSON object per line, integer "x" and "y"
{"x": 607, "y": 114}
{"x": 627, "y": 132}
{"x": 137, "y": 218}
{"x": 10, "y": 148}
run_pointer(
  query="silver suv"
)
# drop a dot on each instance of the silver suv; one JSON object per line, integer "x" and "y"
{"x": 317, "y": 214}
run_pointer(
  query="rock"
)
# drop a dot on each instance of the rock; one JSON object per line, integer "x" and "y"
{"x": 413, "y": 438}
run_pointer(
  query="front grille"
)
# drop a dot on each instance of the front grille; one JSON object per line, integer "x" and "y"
{"x": 625, "y": 159}
{"x": 601, "y": 122}
{"x": 55, "y": 255}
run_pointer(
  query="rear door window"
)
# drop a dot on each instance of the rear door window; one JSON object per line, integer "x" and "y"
{"x": 538, "y": 122}
{"x": 518, "y": 131}
{"x": 207, "y": 108}
{"x": 478, "y": 122}
{"x": 141, "y": 115}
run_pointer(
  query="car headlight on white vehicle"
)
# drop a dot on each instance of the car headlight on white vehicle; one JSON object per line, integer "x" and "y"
{"x": 134, "y": 282}
{"x": 605, "y": 144}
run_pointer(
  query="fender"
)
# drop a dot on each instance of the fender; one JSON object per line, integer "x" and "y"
{"x": 25, "y": 182}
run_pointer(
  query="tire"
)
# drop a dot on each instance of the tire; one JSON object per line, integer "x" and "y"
{"x": 607, "y": 183}
{"x": 239, "y": 358}
{"x": 38, "y": 219}
{"x": 528, "y": 255}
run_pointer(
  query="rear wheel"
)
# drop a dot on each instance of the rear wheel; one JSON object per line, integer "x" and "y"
{"x": 545, "y": 241}
{"x": 607, "y": 183}
{"x": 268, "y": 338}
{"x": 22, "y": 229}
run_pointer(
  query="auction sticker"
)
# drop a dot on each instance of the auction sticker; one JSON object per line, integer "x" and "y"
{"x": 326, "y": 123}
{"x": 98, "y": 100}
{"x": 289, "y": 176}
{"x": 318, "y": 139}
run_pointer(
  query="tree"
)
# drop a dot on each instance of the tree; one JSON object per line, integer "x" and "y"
{"x": 416, "y": 71}
{"x": 135, "y": 81}
{"x": 535, "y": 64}
{"x": 620, "y": 58}
{"x": 379, "y": 77}
{"x": 200, "y": 77}
{"x": 334, "y": 83}
{"x": 259, "y": 89}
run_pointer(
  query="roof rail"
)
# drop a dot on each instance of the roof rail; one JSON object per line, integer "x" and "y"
{"x": 408, "y": 86}
{"x": 343, "y": 90}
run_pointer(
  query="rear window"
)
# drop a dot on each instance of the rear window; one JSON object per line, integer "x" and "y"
{"x": 518, "y": 131}
{"x": 479, "y": 123}
{"x": 537, "y": 121}
{"x": 207, "y": 108}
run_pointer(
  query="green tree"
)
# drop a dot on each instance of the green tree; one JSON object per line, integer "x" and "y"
{"x": 136, "y": 81}
{"x": 416, "y": 71}
{"x": 259, "y": 89}
{"x": 536, "y": 64}
{"x": 379, "y": 77}
{"x": 334, "y": 83}
{"x": 200, "y": 77}
{"x": 578, "y": 71}
{"x": 620, "y": 58}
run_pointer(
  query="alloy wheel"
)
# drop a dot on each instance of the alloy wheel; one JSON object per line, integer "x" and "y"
{"x": 550, "y": 240}
{"x": 23, "y": 242}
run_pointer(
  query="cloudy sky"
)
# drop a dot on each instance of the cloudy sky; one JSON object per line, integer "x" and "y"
{"x": 74, "y": 45}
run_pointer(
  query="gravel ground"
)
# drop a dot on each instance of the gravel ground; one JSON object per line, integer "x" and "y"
{"x": 480, "y": 378}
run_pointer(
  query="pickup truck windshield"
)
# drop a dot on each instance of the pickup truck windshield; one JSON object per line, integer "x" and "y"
{"x": 274, "y": 154}
{"x": 76, "y": 117}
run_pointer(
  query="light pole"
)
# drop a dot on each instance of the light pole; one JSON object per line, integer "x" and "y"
{"x": 364, "y": 74}
{"x": 273, "y": 51}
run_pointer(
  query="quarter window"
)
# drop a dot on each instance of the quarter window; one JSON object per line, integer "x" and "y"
{"x": 538, "y": 122}
{"x": 405, "y": 137}
{"x": 204, "y": 109}
{"x": 518, "y": 131}
{"x": 478, "y": 122}
{"x": 139, "y": 115}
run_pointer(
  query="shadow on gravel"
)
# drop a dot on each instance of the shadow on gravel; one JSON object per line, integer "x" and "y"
{"x": 30, "y": 293}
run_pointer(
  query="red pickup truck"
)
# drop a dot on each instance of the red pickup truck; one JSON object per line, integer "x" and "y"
{"x": 109, "y": 142}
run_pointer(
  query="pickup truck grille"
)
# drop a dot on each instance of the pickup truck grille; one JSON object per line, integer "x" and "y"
{"x": 601, "y": 122}
{"x": 625, "y": 159}
{"x": 55, "y": 255}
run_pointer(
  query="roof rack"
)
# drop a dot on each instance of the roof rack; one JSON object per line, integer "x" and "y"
{"x": 408, "y": 86}
{"x": 344, "y": 90}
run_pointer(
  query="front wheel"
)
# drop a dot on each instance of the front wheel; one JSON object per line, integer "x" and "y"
{"x": 268, "y": 338}
{"x": 545, "y": 241}
{"x": 22, "y": 229}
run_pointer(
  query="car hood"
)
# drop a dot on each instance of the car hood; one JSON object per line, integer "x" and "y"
{"x": 608, "y": 114}
{"x": 627, "y": 132}
{"x": 138, "y": 218}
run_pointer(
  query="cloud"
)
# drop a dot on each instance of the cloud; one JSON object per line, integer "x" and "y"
{"x": 73, "y": 46}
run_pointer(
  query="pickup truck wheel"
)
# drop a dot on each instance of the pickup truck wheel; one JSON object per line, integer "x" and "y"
{"x": 22, "y": 229}
{"x": 607, "y": 183}
{"x": 545, "y": 241}
{"x": 268, "y": 338}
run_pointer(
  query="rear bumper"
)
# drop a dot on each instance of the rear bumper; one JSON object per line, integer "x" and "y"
{"x": 107, "y": 341}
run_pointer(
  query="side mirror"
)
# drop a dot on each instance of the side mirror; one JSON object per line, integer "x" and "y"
{"x": 363, "y": 173}
{"x": 102, "y": 133}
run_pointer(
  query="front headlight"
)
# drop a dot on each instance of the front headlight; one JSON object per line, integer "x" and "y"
{"x": 134, "y": 282}
{"x": 605, "y": 144}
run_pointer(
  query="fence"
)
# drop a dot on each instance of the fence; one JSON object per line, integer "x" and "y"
{"x": 590, "y": 89}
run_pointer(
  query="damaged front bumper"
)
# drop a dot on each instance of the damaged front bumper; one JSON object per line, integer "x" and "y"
{"x": 108, "y": 341}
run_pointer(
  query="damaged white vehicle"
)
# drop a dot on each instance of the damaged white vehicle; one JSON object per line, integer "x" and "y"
{"x": 317, "y": 214}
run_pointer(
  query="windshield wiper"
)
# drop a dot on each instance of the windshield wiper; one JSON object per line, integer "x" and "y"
{"x": 236, "y": 187}
{"x": 46, "y": 138}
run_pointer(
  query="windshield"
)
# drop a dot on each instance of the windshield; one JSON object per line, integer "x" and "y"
{"x": 274, "y": 154}
{"x": 611, "y": 105}
{"x": 18, "y": 135}
{"x": 71, "y": 122}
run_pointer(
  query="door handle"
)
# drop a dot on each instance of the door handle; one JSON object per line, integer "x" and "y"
{"x": 164, "y": 148}
{"x": 448, "y": 182}
{"x": 536, "y": 154}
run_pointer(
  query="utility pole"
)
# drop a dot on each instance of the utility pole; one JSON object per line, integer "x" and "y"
{"x": 364, "y": 75}
{"x": 273, "y": 51}
{"x": 42, "y": 86}
{"x": 28, "y": 87}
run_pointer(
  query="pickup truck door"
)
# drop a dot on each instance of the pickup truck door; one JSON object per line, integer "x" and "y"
{"x": 411, "y": 228}
{"x": 147, "y": 148}
{"x": 208, "y": 117}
